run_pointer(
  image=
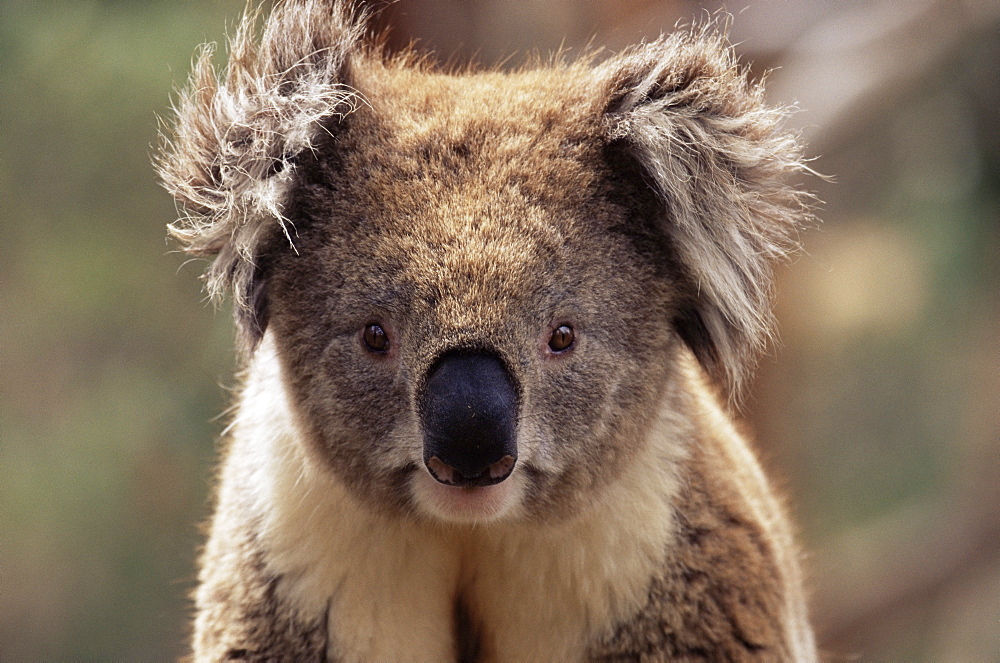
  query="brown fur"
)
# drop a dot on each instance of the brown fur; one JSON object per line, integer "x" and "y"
{"x": 640, "y": 201}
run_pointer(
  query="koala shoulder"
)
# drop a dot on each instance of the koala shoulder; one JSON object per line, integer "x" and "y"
{"x": 243, "y": 611}
{"x": 731, "y": 575}
{"x": 239, "y": 603}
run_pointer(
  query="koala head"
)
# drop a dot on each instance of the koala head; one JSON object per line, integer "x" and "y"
{"x": 480, "y": 285}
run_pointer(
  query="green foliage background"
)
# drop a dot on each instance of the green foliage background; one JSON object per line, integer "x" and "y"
{"x": 107, "y": 420}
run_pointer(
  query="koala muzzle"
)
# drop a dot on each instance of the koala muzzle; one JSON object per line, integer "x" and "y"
{"x": 469, "y": 413}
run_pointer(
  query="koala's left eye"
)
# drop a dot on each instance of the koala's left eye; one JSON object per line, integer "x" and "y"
{"x": 375, "y": 338}
{"x": 562, "y": 338}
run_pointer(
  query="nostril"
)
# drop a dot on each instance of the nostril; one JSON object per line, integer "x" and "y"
{"x": 501, "y": 469}
{"x": 492, "y": 474}
{"x": 443, "y": 472}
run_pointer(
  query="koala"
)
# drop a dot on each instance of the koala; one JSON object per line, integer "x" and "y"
{"x": 494, "y": 325}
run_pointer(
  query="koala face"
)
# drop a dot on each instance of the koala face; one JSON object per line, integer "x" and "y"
{"x": 476, "y": 317}
{"x": 479, "y": 284}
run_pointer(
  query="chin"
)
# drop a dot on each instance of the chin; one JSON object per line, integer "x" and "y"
{"x": 467, "y": 505}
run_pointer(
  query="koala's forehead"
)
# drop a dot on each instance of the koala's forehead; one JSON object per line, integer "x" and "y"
{"x": 479, "y": 178}
{"x": 429, "y": 143}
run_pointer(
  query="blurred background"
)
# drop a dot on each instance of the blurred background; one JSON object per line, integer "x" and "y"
{"x": 879, "y": 412}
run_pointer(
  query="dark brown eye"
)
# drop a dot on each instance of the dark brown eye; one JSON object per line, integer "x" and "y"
{"x": 375, "y": 338}
{"x": 561, "y": 339}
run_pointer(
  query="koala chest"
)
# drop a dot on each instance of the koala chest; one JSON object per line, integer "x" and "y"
{"x": 397, "y": 591}
{"x": 432, "y": 606}
{"x": 404, "y": 590}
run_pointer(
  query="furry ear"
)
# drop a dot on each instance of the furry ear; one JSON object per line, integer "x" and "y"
{"x": 717, "y": 159}
{"x": 229, "y": 158}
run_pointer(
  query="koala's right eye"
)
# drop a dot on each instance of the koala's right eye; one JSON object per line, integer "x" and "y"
{"x": 375, "y": 338}
{"x": 562, "y": 339}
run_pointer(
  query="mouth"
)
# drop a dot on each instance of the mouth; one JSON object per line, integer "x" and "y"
{"x": 485, "y": 500}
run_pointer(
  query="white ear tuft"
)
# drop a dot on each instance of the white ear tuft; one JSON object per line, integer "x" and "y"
{"x": 718, "y": 161}
{"x": 230, "y": 157}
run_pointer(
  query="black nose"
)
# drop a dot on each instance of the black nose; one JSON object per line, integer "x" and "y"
{"x": 469, "y": 411}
